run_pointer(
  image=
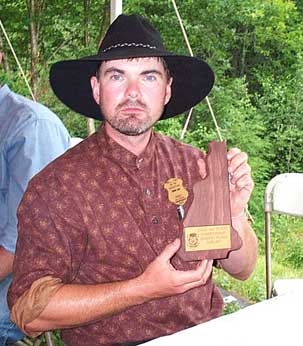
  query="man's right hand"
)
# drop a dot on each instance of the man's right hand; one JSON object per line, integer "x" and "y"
{"x": 161, "y": 279}
{"x": 78, "y": 304}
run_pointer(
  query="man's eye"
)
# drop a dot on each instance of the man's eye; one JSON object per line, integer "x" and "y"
{"x": 115, "y": 77}
{"x": 150, "y": 77}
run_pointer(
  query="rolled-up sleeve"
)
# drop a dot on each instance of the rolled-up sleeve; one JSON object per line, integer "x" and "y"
{"x": 50, "y": 247}
{"x": 33, "y": 301}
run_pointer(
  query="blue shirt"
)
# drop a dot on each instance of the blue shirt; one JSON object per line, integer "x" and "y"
{"x": 31, "y": 136}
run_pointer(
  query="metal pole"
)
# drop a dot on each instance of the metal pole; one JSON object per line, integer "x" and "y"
{"x": 115, "y": 9}
{"x": 268, "y": 256}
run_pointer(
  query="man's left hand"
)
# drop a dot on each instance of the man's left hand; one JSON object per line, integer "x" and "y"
{"x": 240, "y": 182}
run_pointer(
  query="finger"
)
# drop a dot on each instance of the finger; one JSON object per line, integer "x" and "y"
{"x": 203, "y": 278}
{"x": 202, "y": 168}
{"x": 236, "y": 161}
{"x": 242, "y": 170}
{"x": 170, "y": 250}
{"x": 232, "y": 152}
{"x": 207, "y": 268}
{"x": 207, "y": 271}
{"x": 194, "y": 275}
{"x": 203, "y": 264}
{"x": 244, "y": 182}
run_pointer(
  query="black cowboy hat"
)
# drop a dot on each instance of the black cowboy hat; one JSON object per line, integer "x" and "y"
{"x": 130, "y": 37}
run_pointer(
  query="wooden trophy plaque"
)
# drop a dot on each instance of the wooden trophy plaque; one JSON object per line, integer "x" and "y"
{"x": 207, "y": 227}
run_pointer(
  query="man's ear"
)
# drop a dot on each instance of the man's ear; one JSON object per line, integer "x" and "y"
{"x": 95, "y": 88}
{"x": 168, "y": 91}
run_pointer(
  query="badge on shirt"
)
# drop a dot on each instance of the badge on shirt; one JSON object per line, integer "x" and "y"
{"x": 177, "y": 194}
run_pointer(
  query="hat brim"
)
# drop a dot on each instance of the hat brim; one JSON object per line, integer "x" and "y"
{"x": 192, "y": 81}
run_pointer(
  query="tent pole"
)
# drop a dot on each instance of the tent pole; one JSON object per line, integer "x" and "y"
{"x": 115, "y": 9}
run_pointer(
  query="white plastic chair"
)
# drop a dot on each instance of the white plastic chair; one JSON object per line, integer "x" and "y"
{"x": 283, "y": 195}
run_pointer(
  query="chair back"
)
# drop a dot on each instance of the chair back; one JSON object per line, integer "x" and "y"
{"x": 283, "y": 195}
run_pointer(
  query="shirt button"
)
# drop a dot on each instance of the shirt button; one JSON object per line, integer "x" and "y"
{"x": 155, "y": 220}
{"x": 139, "y": 162}
{"x": 147, "y": 192}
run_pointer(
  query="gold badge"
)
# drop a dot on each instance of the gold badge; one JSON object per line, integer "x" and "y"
{"x": 177, "y": 193}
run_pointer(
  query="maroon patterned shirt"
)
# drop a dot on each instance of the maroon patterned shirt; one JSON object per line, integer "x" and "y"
{"x": 101, "y": 214}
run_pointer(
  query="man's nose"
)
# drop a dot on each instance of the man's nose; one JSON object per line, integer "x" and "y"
{"x": 133, "y": 89}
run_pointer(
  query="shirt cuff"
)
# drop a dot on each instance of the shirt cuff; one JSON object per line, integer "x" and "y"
{"x": 33, "y": 301}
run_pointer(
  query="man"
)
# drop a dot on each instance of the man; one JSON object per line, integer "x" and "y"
{"x": 107, "y": 269}
{"x": 30, "y": 137}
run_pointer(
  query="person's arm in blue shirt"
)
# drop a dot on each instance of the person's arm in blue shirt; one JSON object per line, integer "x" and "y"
{"x": 31, "y": 148}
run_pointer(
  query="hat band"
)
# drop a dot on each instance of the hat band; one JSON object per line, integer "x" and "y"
{"x": 133, "y": 44}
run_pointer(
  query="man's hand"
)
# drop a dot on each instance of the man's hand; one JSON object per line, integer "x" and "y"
{"x": 161, "y": 279}
{"x": 241, "y": 183}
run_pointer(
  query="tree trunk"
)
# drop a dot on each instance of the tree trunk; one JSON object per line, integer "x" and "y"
{"x": 35, "y": 9}
{"x": 105, "y": 20}
{"x": 34, "y": 45}
{"x": 85, "y": 22}
{"x": 104, "y": 25}
{"x": 90, "y": 123}
{"x": 243, "y": 54}
{"x": 4, "y": 60}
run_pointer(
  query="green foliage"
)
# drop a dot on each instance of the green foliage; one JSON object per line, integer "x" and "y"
{"x": 171, "y": 127}
{"x": 252, "y": 289}
{"x": 282, "y": 113}
{"x": 294, "y": 254}
{"x": 231, "y": 307}
{"x": 57, "y": 338}
{"x": 287, "y": 241}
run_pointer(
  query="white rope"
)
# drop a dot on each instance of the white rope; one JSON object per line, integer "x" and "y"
{"x": 214, "y": 119}
{"x": 206, "y": 98}
{"x": 186, "y": 123}
{"x": 15, "y": 56}
{"x": 182, "y": 28}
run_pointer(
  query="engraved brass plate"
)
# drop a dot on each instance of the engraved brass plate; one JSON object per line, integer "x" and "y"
{"x": 207, "y": 238}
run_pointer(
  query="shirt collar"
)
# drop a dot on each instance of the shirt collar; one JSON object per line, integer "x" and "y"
{"x": 118, "y": 153}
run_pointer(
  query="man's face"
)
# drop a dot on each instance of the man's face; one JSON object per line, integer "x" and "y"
{"x": 132, "y": 93}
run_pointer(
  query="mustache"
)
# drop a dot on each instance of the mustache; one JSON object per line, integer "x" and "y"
{"x": 130, "y": 103}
